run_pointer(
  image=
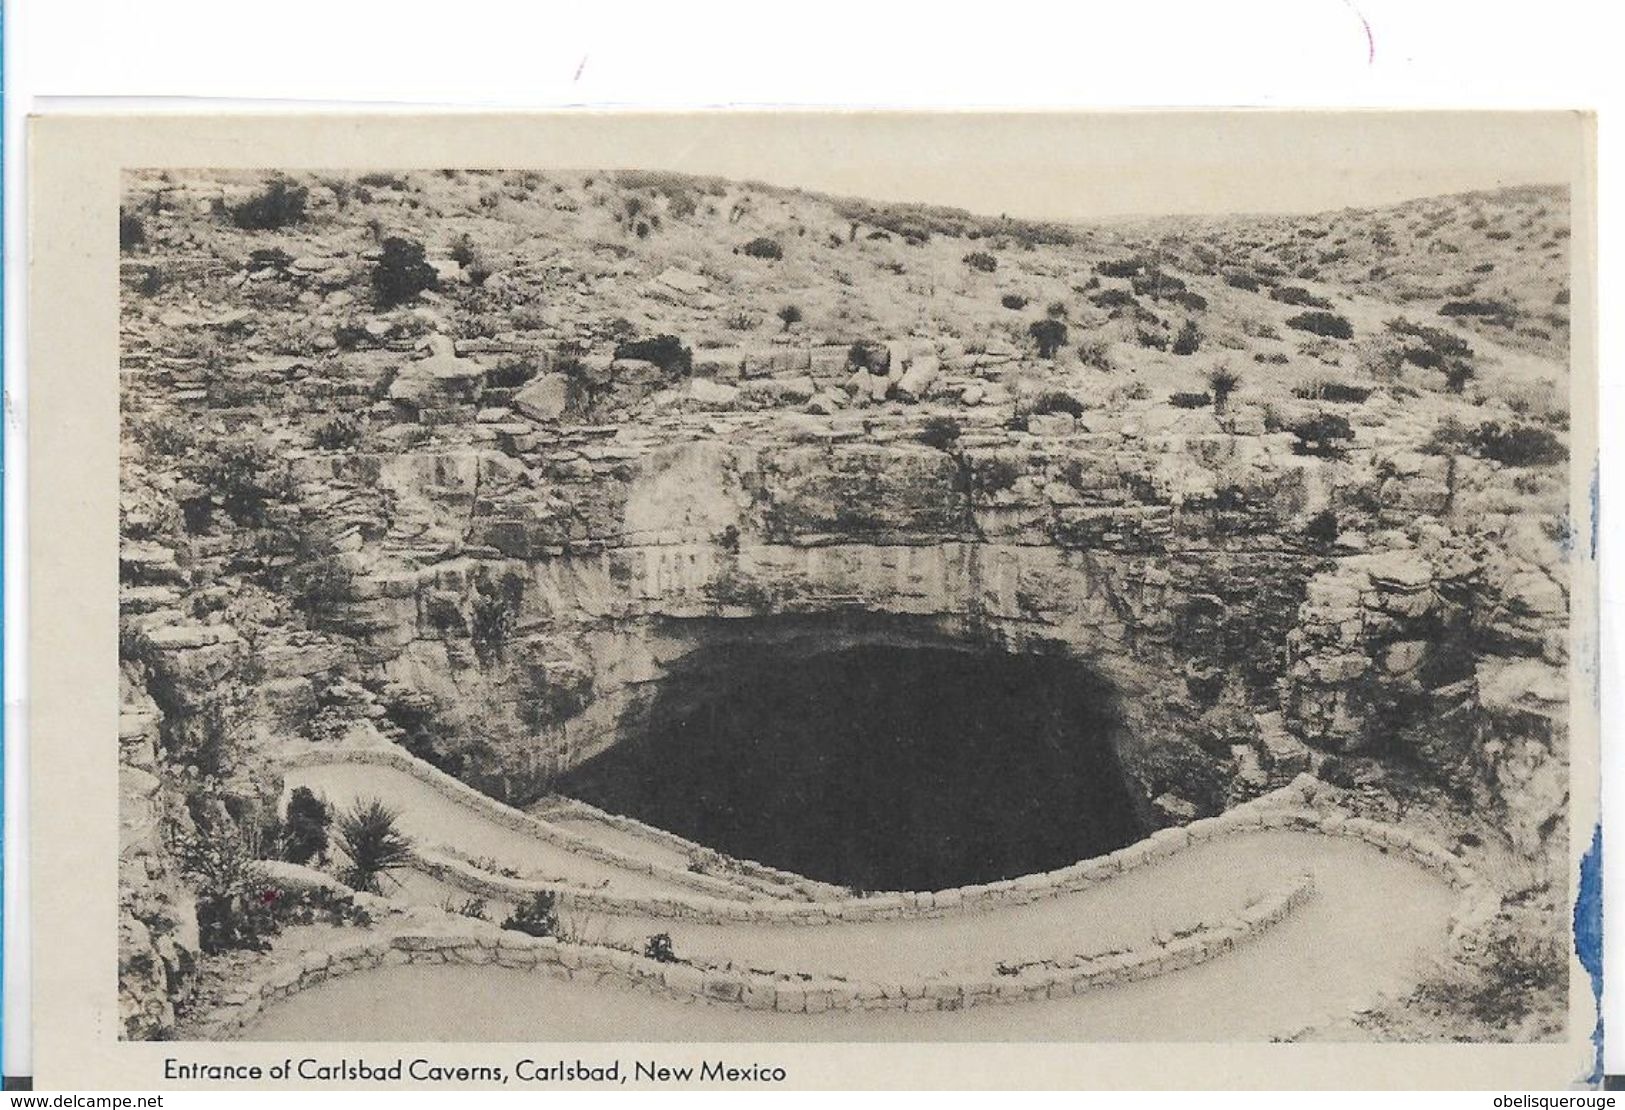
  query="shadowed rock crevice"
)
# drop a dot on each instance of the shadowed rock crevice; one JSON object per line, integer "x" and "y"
{"x": 879, "y": 766}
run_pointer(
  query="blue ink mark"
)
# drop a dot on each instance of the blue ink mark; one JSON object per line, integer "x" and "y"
{"x": 1588, "y": 937}
{"x": 1596, "y": 500}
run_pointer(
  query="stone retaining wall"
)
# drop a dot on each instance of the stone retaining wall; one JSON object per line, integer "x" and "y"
{"x": 509, "y": 818}
{"x": 757, "y": 991}
{"x": 1281, "y": 809}
{"x": 768, "y": 878}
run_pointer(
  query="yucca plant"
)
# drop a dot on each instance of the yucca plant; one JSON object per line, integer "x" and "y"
{"x": 369, "y": 839}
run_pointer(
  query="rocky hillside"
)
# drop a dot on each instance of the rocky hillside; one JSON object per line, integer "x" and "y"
{"x": 469, "y": 459}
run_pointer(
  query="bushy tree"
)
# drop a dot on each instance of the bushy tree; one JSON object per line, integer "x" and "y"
{"x": 304, "y": 836}
{"x": 1049, "y": 334}
{"x": 401, "y": 273}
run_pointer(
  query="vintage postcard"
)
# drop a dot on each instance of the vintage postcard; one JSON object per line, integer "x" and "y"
{"x": 764, "y": 599}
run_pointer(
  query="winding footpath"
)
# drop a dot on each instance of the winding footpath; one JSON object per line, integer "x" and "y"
{"x": 1368, "y": 921}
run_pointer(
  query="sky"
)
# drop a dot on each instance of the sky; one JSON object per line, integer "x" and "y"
{"x": 1085, "y": 167}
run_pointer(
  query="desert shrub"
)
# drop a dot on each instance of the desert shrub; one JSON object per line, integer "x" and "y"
{"x": 1190, "y": 400}
{"x": 1298, "y": 296}
{"x": 981, "y": 260}
{"x": 401, "y": 273}
{"x": 789, "y": 316}
{"x": 1049, "y": 335}
{"x": 1323, "y": 323}
{"x": 1436, "y": 340}
{"x": 1055, "y": 400}
{"x": 151, "y": 281}
{"x": 658, "y": 948}
{"x": 233, "y": 911}
{"x": 1157, "y": 284}
{"x": 1151, "y": 340}
{"x": 1113, "y": 298}
{"x": 1322, "y": 527}
{"x": 1015, "y": 302}
{"x": 1516, "y": 444}
{"x": 665, "y": 351}
{"x": 1323, "y": 389}
{"x": 1189, "y": 300}
{"x": 1482, "y": 308}
{"x": 1222, "y": 382}
{"x": 337, "y": 433}
{"x": 372, "y": 843}
{"x": 278, "y": 206}
{"x": 1323, "y": 434}
{"x": 1519, "y": 970}
{"x": 304, "y": 835}
{"x": 132, "y": 231}
{"x": 941, "y": 432}
{"x": 1240, "y": 280}
{"x": 763, "y": 247}
{"x": 1096, "y": 353}
{"x": 1119, "y": 268}
{"x": 510, "y": 375}
{"x": 1188, "y": 339}
{"x": 742, "y": 321}
{"x": 860, "y": 356}
{"x": 537, "y": 916}
{"x": 245, "y": 475}
{"x": 471, "y": 907}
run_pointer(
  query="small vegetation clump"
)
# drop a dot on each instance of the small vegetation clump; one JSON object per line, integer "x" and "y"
{"x": 665, "y": 351}
{"x": 763, "y": 247}
{"x": 1298, "y": 296}
{"x": 981, "y": 260}
{"x": 1518, "y": 445}
{"x": 1324, "y": 435}
{"x": 658, "y": 948}
{"x": 537, "y": 916}
{"x": 337, "y": 433}
{"x": 132, "y": 231}
{"x": 1324, "y": 389}
{"x": 1096, "y": 353}
{"x": 1328, "y": 324}
{"x": 1190, "y": 400}
{"x": 1055, "y": 400}
{"x": 279, "y": 205}
{"x": 941, "y": 432}
{"x": 1015, "y": 302}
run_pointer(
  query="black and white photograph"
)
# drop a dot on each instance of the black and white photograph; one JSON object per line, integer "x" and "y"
{"x": 623, "y": 603}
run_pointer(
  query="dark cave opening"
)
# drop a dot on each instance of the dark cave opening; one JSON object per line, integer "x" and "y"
{"x": 877, "y": 766}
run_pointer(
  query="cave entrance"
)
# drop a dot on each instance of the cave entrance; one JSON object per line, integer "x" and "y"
{"x": 876, "y": 765}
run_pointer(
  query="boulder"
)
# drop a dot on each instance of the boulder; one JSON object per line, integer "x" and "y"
{"x": 545, "y": 398}
{"x": 711, "y": 394}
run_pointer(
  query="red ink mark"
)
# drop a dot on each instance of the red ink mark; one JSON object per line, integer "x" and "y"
{"x": 269, "y": 896}
{"x": 1370, "y": 39}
